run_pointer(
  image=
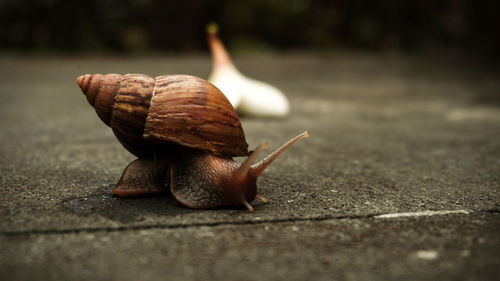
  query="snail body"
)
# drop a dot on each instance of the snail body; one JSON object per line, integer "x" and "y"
{"x": 185, "y": 134}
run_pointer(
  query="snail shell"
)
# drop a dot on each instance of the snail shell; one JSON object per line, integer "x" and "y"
{"x": 148, "y": 114}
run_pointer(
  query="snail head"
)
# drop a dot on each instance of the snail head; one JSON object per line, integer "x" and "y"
{"x": 244, "y": 178}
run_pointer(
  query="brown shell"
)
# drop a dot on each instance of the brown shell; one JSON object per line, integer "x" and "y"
{"x": 147, "y": 113}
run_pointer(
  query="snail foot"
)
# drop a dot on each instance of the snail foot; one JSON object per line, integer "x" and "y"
{"x": 143, "y": 177}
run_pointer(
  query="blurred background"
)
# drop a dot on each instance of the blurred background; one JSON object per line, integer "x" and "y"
{"x": 155, "y": 26}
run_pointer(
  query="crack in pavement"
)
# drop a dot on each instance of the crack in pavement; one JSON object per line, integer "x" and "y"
{"x": 245, "y": 222}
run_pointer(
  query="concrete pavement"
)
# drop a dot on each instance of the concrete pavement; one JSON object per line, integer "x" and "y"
{"x": 392, "y": 137}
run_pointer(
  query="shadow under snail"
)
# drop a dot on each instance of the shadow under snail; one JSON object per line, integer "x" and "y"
{"x": 185, "y": 134}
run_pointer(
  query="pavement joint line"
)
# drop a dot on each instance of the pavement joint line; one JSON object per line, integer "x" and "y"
{"x": 422, "y": 213}
{"x": 244, "y": 222}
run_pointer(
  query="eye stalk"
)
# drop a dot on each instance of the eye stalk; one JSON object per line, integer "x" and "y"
{"x": 248, "y": 172}
{"x": 259, "y": 167}
{"x": 245, "y": 167}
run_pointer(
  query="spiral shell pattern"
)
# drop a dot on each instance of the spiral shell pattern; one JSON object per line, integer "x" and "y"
{"x": 148, "y": 113}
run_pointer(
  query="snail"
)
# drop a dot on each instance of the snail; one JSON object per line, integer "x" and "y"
{"x": 248, "y": 96}
{"x": 185, "y": 134}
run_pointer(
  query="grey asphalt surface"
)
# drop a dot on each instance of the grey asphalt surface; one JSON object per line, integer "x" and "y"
{"x": 390, "y": 134}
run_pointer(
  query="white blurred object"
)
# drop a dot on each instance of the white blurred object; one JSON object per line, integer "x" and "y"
{"x": 248, "y": 96}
